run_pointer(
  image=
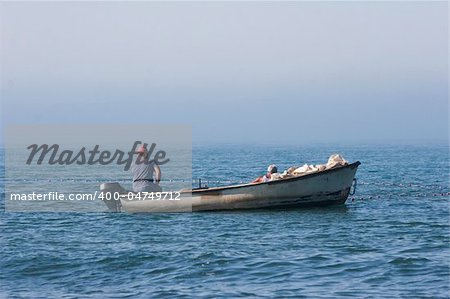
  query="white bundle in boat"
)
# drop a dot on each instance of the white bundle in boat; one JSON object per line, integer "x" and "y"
{"x": 334, "y": 161}
{"x": 307, "y": 169}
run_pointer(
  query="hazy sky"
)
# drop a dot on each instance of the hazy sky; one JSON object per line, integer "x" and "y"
{"x": 289, "y": 72}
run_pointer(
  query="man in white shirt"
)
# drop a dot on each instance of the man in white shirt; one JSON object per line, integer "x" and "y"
{"x": 145, "y": 173}
{"x": 265, "y": 178}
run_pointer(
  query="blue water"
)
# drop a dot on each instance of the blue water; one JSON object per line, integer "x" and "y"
{"x": 391, "y": 240}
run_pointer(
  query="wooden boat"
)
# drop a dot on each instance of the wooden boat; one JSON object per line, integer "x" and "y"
{"x": 327, "y": 187}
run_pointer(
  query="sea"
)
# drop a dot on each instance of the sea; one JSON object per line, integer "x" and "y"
{"x": 390, "y": 240}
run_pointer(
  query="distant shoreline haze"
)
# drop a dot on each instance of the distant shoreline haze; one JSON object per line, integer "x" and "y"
{"x": 238, "y": 72}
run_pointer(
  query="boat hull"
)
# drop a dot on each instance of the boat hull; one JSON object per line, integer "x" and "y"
{"x": 328, "y": 187}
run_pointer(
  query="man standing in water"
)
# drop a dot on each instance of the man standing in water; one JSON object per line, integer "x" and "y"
{"x": 145, "y": 173}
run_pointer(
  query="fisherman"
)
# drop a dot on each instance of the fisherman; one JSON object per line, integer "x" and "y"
{"x": 265, "y": 178}
{"x": 145, "y": 173}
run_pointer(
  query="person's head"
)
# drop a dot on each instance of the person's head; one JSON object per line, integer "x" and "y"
{"x": 141, "y": 151}
{"x": 272, "y": 169}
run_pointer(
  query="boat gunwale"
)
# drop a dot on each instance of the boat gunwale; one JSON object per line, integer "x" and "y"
{"x": 290, "y": 179}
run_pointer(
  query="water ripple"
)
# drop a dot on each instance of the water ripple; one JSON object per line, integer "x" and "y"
{"x": 392, "y": 241}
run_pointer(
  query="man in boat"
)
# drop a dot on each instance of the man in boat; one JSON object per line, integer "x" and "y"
{"x": 265, "y": 178}
{"x": 145, "y": 173}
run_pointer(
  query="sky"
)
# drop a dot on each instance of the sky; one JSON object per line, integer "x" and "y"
{"x": 237, "y": 72}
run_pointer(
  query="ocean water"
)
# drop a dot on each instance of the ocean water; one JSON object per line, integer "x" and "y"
{"x": 391, "y": 239}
